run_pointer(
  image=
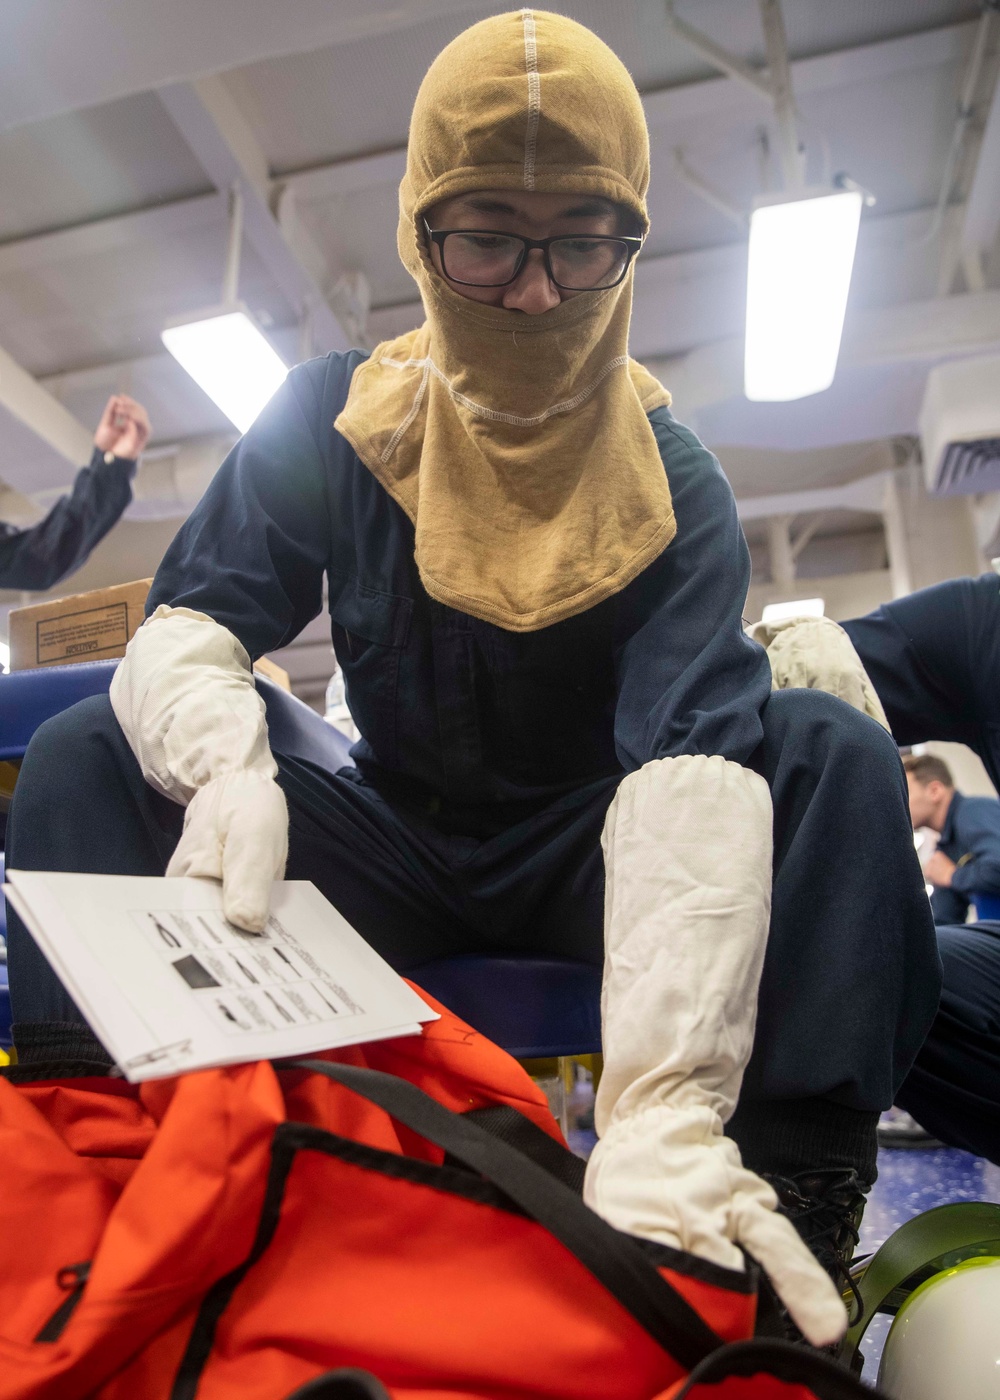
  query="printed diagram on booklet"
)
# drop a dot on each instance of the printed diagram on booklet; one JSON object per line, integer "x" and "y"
{"x": 245, "y": 982}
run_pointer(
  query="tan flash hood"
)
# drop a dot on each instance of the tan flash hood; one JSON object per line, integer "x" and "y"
{"x": 519, "y": 445}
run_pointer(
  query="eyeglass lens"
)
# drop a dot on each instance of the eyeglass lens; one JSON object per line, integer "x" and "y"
{"x": 491, "y": 259}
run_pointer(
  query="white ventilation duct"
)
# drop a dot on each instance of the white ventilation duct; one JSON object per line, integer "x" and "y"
{"x": 960, "y": 427}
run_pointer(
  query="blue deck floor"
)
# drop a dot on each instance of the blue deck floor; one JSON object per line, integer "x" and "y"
{"x": 910, "y": 1182}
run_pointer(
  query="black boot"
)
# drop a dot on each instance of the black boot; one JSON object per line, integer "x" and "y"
{"x": 826, "y": 1207}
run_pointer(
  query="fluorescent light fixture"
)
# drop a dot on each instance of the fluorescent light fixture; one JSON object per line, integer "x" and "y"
{"x": 802, "y": 607}
{"x": 799, "y": 273}
{"x": 227, "y": 355}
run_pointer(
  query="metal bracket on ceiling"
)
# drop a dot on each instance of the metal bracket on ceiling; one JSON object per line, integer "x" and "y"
{"x": 708, "y": 191}
{"x": 773, "y": 83}
{"x": 234, "y": 247}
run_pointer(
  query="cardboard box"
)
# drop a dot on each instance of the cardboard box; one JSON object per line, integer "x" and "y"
{"x": 94, "y": 626}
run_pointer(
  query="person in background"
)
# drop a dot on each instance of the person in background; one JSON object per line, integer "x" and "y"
{"x": 932, "y": 660}
{"x": 953, "y": 1089}
{"x": 967, "y": 859}
{"x": 38, "y": 557}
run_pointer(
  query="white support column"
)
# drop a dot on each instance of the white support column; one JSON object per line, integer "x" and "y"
{"x": 779, "y": 546}
{"x": 896, "y": 543}
{"x": 803, "y": 536}
{"x": 981, "y": 222}
{"x": 789, "y": 148}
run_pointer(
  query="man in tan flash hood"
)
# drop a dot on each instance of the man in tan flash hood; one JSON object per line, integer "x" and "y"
{"x": 535, "y": 578}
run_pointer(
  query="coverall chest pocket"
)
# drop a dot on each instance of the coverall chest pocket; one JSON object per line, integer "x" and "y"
{"x": 370, "y": 630}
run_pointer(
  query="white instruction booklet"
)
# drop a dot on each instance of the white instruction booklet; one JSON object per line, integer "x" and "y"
{"x": 169, "y": 985}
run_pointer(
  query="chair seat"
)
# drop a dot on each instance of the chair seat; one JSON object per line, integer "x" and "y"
{"x": 532, "y": 1007}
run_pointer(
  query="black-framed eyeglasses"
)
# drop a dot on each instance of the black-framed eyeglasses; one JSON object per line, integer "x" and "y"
{"x": 476, "y": 257}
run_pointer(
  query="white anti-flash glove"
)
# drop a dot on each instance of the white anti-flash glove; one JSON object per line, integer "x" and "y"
{"x": 815, "y": 653}
{"x": 687, "y": 849}
{"x": 185, "y": 699}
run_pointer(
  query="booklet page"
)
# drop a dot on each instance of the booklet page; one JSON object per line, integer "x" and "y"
{"x": 169, "y": 985}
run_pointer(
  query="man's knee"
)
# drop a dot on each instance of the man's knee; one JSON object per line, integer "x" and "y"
{"x": 821, "y": 730}
{"x": 73, "y": 751}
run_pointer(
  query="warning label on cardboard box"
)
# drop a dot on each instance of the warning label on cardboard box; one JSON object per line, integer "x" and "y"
{"x": 84, "y": 635}
{"x": 94, "y": 626}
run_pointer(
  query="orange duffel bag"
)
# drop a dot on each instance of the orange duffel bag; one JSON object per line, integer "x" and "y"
{"x": 401, "y": 1217}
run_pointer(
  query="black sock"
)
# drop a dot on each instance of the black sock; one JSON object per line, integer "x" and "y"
{"x": 786, "y": 1137}
{"x": 56, "y": 1050}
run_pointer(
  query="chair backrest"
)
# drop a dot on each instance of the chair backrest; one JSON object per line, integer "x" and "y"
{"x": 29, "y": 698}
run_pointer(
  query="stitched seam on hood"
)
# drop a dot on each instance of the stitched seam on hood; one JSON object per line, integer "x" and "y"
{"x": 534, "y": 96}
{"x": 496, "y": 415}
{"x": 414, "y": 410}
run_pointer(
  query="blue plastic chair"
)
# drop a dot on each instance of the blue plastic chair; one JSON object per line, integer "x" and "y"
{"x": 987, "y": 906}
{"x": 535, "y": 1008}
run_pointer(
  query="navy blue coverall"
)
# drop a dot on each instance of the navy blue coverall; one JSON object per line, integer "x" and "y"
{"x": 38, "y": 557}
{"x": 472, "y": 819}
{"x": 934, "y": 658}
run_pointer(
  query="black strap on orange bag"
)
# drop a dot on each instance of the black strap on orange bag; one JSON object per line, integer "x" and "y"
{"x": 615, "y": 1259}
{"x": 787, "y": 1362}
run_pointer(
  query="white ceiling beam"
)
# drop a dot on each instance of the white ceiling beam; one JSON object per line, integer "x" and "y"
{"x": 843, "y": 68}
{"x": 37, "y": 409}
{"x": 105, "y": 377}
{"x": 136, "y": 45}
{"x": 773, "y": 83}
{"x": 349, "y": 176}
{"x": 97, "y": 236}
{"x": 912, "y": 332}
{"x": 653, "y": 274}
{"x": 669, "y": 106}
{"x": 57, "y": 57}
{"x": 209, "y": 120}
{"x": 867, "y": 495}
{"x": 965, "y": 324}
{"x": 681, "y": 280}
{"x": 866, "y": 63}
